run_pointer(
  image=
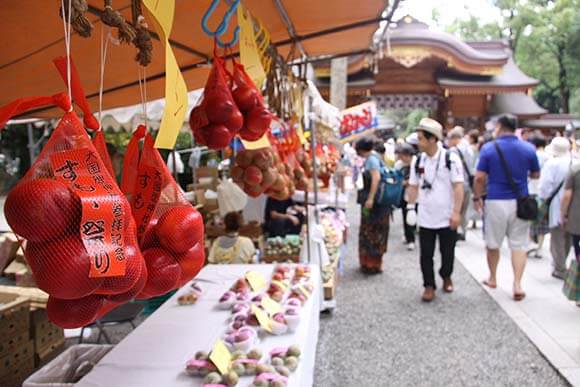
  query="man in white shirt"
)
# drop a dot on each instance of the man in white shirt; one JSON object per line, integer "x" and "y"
{"x": 552, "y": 179}
{"x": 436, "y": 184}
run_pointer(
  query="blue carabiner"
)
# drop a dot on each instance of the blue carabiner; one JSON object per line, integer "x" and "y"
{"x": 223, "y": 26}
{"x": 231, "y": 43}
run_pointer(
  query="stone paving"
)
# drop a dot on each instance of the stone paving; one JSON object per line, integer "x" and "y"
{"x": 381, "y": 334}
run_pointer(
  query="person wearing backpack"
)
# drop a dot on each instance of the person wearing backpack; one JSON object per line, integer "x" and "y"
{"x": 436, "y": 185}
{"x": 552, "y": 179}
{"x": 504, "y": 167}
{"x": 374, "y": 227}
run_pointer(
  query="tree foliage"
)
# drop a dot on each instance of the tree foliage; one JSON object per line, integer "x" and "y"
{"x": 545, "y": 38}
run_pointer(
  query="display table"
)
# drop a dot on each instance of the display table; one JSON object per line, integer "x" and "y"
{"x": 155, "y": 353}
{"x": 325, "y": 198}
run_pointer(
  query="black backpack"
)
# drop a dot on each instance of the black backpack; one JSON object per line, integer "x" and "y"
{"x": 420, "y": 157}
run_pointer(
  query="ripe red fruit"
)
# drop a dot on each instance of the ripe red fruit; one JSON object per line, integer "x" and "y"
{"x": 180, "y": 228}
{"x": 269, "y": 177}
{"x": 246, "y": 98}
{"x": 218, "y": 107}
{"x": 163, "y": 272}
{"x": 133, "y": 267}
{"x": 217, "y": 136}
{"x": 261, "y": 160}
{"x": 70, "y": 314}
{"x": 253, "y": 175}
{"x": 43, "y": 209}
{"x": 61, "y": 268}
{"x": 258, "y": 119}
{"x": 253, "y": 190}
{"x": 135, "y": 290}
{"x": 249, "y": 135}
{"x": 244, "y": 159}
{"x": 237, "y": 174}
{"x": 191, "y": 262}
{"x": 198, "y": 118}
{"x": 236, "y": 121}
{"x": 149, "y": 237}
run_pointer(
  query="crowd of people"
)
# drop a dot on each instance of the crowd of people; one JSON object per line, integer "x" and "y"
{"x": 519, "y": 184}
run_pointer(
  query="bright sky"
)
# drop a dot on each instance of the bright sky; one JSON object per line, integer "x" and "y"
{"x": 449, "y": 10}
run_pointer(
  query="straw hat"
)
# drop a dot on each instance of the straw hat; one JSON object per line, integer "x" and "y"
{"x": 429, "y": 125}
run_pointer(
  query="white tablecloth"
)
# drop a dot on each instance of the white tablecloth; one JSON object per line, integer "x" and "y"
{"x": 324, "y": 198}
{"x": 155, "y": 353}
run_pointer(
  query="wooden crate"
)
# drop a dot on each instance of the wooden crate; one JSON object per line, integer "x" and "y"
{"x": 11, "y": 342}
{"x": 14, "y": 314}
{"x": 38, "y": 298}
{"x": 46, "y": 354}
{"x": 330, "y": 288}
{"x": 17, "y": 365}
{"x": 20, "y": 374}
{"x": 43, "y": 332}
{"x": 280, "y": 258}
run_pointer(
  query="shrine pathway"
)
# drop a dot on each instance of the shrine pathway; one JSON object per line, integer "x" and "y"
{"x": 381, "y": 334}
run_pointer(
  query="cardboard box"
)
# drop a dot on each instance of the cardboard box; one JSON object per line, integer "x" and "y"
{"x": 14, "y": 315}
{"x": 12, "y": 366}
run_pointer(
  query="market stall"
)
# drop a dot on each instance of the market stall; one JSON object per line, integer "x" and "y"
{"x": 157, "y": 352}
{"x": 101, "y": 231}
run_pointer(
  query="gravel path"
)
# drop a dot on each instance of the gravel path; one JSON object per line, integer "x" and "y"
{"x": 382, "y": 335}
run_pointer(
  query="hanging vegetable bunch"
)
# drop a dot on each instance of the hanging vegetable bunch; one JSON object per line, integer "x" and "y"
{"x": 257, "y": 117}
{"x": 217, "y": 119}
{"x": 254, "y": 171}
{"x": 170, "y": 230}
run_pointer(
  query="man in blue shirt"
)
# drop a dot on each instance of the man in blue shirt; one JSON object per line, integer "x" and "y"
{"x": 500, "y": 213}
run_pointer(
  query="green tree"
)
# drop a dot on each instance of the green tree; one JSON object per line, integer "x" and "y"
{"x": 544, "y": 36}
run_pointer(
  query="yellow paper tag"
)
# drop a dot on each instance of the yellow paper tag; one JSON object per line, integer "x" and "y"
{"x": 175, "y": 87}
{"x": 256, "y": 280}
{"x": 221, "y": 357}
{"x": 163, "y": 12}
{"x": 271, "y": 306}
{"x": 280, "y": 283}
{"x": 300, "y": 134}
{"x": 263, "y": 142}
{"x": 262, "y": 318}
{"x": 249, "y": 55}
{"x": 304, "y": 290}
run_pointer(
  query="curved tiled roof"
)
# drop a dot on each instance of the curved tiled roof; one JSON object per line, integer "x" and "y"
{"x": 411, "y": 32}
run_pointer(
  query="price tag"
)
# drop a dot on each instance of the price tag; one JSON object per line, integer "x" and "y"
{"x": 304, "y": 291}
{"x": 271, "y": 306}
{"x": 280, "y": 284}
{"x": 262, "y": 142}
{"x": 221, "y": 357}
{"x": 262, "y": 318}
{"x": 256, "y": 280}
